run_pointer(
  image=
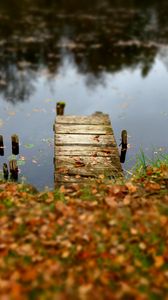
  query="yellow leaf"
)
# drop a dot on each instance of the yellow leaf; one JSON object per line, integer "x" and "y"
{"x": 142, "y": 246}
{"x": 65, "y": 254}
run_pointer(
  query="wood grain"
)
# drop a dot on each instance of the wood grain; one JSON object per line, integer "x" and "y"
{"x": 87, "y": 120}
{"x": 84, "y": 139}
{"x": 83, "y": 129}
{"x": 84, "y": 149}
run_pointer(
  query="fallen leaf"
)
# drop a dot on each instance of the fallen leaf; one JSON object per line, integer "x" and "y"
{"x": 159, "y": 261}
{"x": 127, "y": 200}
{"x": 111, "y": 201}
{"x": 132, "y": 188}
{"x": 29, "y": 146}
{"x": 133, "y": 231}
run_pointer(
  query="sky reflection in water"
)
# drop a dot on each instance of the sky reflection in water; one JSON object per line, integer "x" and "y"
{"x": 133, "y": 92}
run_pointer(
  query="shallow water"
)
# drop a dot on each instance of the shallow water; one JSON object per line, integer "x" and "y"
{"x": 99, "y": 57}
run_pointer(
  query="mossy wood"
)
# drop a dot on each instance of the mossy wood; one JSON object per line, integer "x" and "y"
{"x": 85, "y": 148}
{"x": 60, "y": 108}
{"x": 5, "y": 171}
{"x": 13, "y": 169}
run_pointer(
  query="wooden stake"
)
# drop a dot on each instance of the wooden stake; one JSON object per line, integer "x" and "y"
{"x": 60, "y": 108}
{"x": 1, "y": 146}
{"x": 5, "y": 171}
{"x": 13, "y": 169}
{"x": 123, "y": 146}
{"x": 15, "y": 144}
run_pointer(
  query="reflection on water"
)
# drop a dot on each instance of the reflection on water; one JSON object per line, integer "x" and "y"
{"x": 105, "y": 55}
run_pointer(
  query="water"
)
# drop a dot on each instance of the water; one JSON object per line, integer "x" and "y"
{"x": 109, "y": 56}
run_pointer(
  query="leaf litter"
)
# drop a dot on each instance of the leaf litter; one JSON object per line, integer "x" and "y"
{"x": 98, "y": 241}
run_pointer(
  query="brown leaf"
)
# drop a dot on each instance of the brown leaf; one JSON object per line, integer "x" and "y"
{"x": 96, "y": 138}
{"x": 127, "y": 200}
{"x": 111, "y": 201}
{"x": 79, "y": 163}
{"x": 29, "y": 275}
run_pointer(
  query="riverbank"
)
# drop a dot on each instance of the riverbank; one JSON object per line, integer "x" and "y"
{"x": 103, "y": 241}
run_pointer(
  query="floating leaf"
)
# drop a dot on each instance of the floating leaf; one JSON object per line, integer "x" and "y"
{"x": 22, "y": 157}
{"x": 29, "y": 146}
{"x": 34, "y": 161}
{"x": 21, "y": 162}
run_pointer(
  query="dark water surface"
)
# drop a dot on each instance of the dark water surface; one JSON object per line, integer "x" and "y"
{"x": 109, "y": 56}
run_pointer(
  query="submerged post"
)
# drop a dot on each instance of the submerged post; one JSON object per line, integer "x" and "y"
{"x": 13, "y": 169}
{"x": 15, "y": 144}
{"x": 1, "y": 146}
{"x": 5, "y": 171}
{"x": 123, "y": 146}
{"x": 60, "y": 108}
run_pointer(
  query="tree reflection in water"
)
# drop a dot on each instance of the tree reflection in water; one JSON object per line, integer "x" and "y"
{"x": 101, "y": 36}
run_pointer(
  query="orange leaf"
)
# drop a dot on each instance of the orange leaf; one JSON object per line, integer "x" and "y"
{"x": 152, "y": 186}
{"x": 132, "y": 188}
{"x": 159, "y": 261}
{"x": 30, "y": 275}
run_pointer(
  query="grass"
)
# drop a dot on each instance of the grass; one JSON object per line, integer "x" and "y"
{"x": 143, "y": 162}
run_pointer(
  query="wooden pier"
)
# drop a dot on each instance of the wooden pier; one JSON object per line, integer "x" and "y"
{"x": 84, "y": 148}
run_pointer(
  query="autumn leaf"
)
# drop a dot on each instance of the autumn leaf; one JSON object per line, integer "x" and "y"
{"x": 152, "y": 186}
{"x": 159, "y": 261}
{"x": 111, "y": 201}
{"x": 59, "y": 244}
{"x": 131, "y": 188}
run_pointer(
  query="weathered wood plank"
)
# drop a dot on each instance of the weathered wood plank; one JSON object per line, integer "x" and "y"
{"x": 88, "y": 171}
{"x": 86, "y": 150}
{"x": 83, "y": 129}
{"x": 87, "y": 120}
{"x": 84, "y": 139}
{"x": 72, "y": 178}
{"x": 87, "y": 161}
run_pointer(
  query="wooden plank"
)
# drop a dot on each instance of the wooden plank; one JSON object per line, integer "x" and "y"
{"x": 87, "y": 120}
{"x": 86, "y": 150}
{"x": 83, "y": 129}
{"x": 87, "y": 161}
{"x": 84, "y": 139}
{"x": 88, "y": 171}
{"x": 72, "y": 179}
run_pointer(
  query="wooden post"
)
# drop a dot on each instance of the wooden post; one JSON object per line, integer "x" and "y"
{"x": 13, "y": 169}
{"x": 60, "y": 108}
{"x": 15, "y": 144}
{"x": 123, "y": 146}
{"x": 1, "y": 146}
{"x": 5, "y": 171}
